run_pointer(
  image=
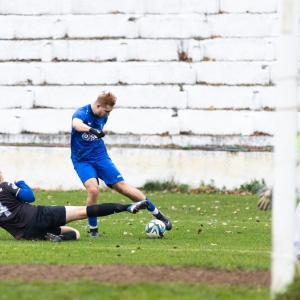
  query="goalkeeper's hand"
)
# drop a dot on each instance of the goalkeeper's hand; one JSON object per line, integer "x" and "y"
{"x": 98, "y": 133}
{"x": 265, "y": 199}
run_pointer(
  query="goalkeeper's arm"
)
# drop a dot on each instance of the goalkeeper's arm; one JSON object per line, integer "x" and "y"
{"x": 266, "y": 194}
{"x": 265, "y": 199}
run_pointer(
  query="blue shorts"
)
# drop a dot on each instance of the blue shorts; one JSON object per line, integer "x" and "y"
{"x": 104, "y": 169}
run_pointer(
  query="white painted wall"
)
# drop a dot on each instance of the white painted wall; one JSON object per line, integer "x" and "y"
{"x": 192, "y": 73}
{"x": 51, "y": 168}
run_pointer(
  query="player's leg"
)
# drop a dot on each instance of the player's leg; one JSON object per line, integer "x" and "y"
{"x": 89, "y": 178}
{"x": 67, "y": 233}
{"x": 91, "y": 186}
{"x": 136, "y": 195}
{"x": 74, "y": 213}
{"x": 49, "y": 223}
{"x": 130, "y": 192}
{"x": 109, "y": 173}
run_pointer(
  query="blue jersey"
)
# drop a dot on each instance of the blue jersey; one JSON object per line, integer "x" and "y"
{"x": 85, "y": 145}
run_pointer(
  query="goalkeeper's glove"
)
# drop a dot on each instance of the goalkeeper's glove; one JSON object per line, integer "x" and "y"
{"x": 98, "y": 133}
{"x": 265, "y": 199}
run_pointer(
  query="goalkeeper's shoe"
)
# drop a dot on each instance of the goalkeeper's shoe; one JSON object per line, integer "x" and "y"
{"x": 94, "y": 233}
{"x": 52, "y": 238}
{"x": 136, "y": 206}
{"x": 160, "y": 216}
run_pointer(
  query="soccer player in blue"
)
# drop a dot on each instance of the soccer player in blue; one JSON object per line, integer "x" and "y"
{"x": 91, "y": 160}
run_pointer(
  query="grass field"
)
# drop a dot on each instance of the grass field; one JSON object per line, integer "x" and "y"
{"x": 212, "y": 231}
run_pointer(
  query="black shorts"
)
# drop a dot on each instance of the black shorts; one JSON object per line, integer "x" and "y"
{"x": 47, "y": 219}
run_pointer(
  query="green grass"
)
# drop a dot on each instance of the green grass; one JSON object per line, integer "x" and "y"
{"x": 88, "y": 290}
{"x": 214, "y": 231}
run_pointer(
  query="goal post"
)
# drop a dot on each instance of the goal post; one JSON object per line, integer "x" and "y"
{"x": 285, "y": 144}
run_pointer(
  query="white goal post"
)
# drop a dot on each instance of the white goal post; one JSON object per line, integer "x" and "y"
{"x": 285, "y": 156}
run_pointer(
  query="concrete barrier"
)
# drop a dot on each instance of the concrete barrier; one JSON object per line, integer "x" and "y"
{"x": 188, "y": 75}
{"x": 51, "y": 168}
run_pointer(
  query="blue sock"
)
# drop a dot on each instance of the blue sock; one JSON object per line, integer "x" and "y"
{"x": 93, "y": 221}
{"x": 152, "y": 206}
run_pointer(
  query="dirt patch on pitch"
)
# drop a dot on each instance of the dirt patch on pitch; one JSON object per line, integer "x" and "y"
{"x": 133, "y": 274}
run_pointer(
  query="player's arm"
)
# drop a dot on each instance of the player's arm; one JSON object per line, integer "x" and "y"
{"x": 78, "y": 125}
{"x": 25, "y": 193}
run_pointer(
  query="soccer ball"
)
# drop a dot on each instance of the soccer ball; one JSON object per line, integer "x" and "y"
{"x": 155, "y": 229}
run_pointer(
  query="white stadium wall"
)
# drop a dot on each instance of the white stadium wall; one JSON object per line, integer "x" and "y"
{"x": 193, "y": 79}
{"x": 51, "y": 167}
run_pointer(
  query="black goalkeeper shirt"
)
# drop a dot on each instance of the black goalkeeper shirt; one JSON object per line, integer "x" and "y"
{"x": 15, "y": 214}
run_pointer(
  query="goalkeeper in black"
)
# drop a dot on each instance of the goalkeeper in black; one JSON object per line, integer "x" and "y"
{"x": 26, "y": 221}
